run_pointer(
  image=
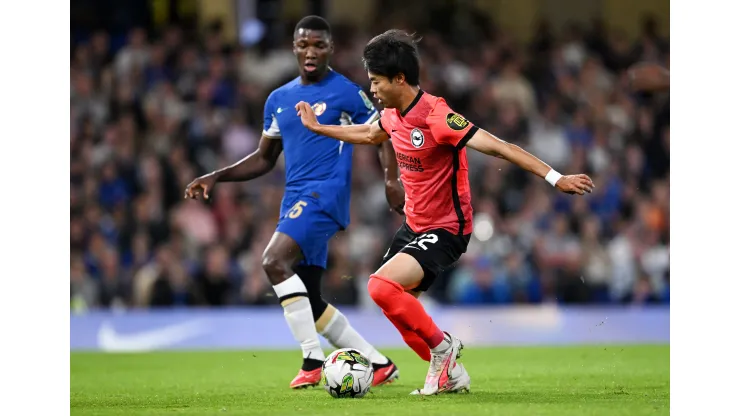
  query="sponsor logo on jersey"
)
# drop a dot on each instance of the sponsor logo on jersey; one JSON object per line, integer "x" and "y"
{"x": 410, "y": 163}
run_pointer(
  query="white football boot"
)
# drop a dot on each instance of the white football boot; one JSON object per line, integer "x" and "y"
{"x": 458, "y": 383}
{"x": 441, "y": 366}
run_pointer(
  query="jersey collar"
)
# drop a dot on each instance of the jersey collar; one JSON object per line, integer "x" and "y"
{"x": 413, "y": 103}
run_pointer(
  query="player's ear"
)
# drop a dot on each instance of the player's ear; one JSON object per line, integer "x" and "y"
{"x": 400, "y": 78}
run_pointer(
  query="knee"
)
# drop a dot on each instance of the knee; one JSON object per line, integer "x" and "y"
{"x": 276, "y": 268}
{"x": 383, "y": 291}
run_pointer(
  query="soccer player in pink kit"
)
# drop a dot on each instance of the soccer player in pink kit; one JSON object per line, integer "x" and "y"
{"x": 430, "y": 142}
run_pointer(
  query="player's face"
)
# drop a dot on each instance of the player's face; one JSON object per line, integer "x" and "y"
{"x": 384, "y": 90}
{"x": 312, "y": 48}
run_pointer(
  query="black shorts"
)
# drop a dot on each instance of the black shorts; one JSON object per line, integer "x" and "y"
{"x": 435, "y": 250}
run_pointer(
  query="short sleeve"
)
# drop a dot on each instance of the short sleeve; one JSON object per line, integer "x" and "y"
{"x": 384, "y": 122}
{"x": 449, "y": 127}
{"x": 270, "y": 126}
{"x": 359, "y": 107}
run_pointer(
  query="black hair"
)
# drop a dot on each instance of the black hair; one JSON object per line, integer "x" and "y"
{"x": 391, "y": 53}
{"x": 313, "y": 23}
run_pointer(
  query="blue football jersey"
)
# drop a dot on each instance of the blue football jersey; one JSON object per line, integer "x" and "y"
{"x": 318, "y": 166}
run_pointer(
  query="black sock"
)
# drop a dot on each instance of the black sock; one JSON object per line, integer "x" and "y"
{"x": 377, "y": 366}
{"x": 310, "y": 364}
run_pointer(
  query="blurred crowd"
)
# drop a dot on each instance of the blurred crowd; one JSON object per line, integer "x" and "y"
{"x": 152, "y": 114}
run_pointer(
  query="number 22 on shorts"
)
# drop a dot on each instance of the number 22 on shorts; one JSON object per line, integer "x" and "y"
{"x": 423, "y": 240}
{"x": 297, "y": 209}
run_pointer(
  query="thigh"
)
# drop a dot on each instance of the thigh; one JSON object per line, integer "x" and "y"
{"x": 283, "y": 248}
{"x": 402, "y": 269}
{"x": 311, "y": 228}
{"x": 403, "y": 236}
{"x": 435, "y": 251}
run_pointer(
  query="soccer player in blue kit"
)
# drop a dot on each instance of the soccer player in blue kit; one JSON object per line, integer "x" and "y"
{"x": 316, "y": 202}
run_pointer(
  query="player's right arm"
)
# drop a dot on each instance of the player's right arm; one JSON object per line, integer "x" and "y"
{"x": 253, "y": 166}
{"x": 355, "y": 133}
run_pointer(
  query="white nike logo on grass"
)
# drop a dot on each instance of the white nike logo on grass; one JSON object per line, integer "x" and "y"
{"x": 110, "y": 340}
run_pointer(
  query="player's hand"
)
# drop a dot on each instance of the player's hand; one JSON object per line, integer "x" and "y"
{"x": 575, "y": 184}
{"x": 395, "y": 195}
{"x": 308, "y": 117}
{"x": 200, "y": 187}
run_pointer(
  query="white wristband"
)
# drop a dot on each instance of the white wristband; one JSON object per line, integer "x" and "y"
{"x": 553, "y": 177}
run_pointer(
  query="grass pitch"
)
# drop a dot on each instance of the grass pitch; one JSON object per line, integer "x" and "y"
{"x": 597, "y": 380}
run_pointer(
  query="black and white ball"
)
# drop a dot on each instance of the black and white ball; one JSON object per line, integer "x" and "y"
{"x": 347, "y": 373}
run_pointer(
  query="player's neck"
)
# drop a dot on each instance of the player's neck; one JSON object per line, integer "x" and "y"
{"x": 408, "y": 96}
{"x": 306, "y": 81}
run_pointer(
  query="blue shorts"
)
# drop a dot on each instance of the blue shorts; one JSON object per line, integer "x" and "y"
{"x": 305, "y": 222}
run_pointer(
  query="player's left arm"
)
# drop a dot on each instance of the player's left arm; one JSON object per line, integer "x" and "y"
{"x": 451, "y": 128}
{"x": 489, "y": 144}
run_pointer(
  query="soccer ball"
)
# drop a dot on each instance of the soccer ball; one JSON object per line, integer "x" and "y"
{"x": 347, "y": 373}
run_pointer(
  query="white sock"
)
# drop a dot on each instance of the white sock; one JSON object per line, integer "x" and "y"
{"x": 443, "y": 346}
{"x": 341, "y": 334}
{"x": 299, "y": 316}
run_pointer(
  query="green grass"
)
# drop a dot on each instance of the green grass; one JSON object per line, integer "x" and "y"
{"x": 605, "y": 380}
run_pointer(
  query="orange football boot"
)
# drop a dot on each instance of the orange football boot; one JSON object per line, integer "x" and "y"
{"x": 384, "y": 374}
{"x": 306, "y": 379}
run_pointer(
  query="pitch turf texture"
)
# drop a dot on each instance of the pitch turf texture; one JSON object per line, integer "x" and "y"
{"x": 595, "y": 380}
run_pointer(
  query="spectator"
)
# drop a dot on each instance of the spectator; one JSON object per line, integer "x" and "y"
{"x": 215, "y": 280}
{"x": 83, "y": 289}
{"x": 596, "y": 267}
{"x": 479, "y": 284}
{"x": 149, "y": 116}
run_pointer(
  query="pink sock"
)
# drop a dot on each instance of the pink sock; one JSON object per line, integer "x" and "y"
{"x": 404, "y": 310}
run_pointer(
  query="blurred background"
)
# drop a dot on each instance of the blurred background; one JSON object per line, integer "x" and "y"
{"x": 163, "y": 91}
